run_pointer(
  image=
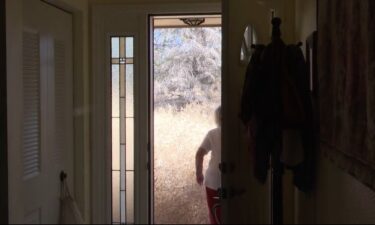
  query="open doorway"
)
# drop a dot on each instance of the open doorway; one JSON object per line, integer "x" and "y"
{"x": 186, "y": 89}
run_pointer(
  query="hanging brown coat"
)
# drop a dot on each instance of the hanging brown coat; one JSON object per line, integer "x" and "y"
{"x": 276, "y": 97}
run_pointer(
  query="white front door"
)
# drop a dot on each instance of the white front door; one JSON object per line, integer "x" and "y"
{"x": 47, "y": 123}
{"x": 254, "y": 205}
{"x": 247, "y": 201}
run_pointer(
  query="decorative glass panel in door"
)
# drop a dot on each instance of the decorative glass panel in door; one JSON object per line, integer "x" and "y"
{"x": 122, "y": 69}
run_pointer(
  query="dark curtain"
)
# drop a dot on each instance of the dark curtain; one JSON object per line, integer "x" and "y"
{"x": 346, "y": 70}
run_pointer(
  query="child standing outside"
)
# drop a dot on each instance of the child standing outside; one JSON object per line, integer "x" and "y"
{"x": 212, "y": 178}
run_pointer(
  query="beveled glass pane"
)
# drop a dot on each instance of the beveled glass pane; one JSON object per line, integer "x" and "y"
{"x": 130, "y": 144}
{"x": 129, "y": 47}
{"x": 115, "y": 44}
{"x": 122, "y": 80}
{"x": 122, "y": 47}
{"x": 129, "y": 90}
{"x": 115, "y": 91}
{"x": 123, "y": 207}
{"x": 116, "y": 197}
{"x": 115, "y": 144}
{"x": 123, "y": 168}
{"x": 122, "y": 122}
{"x": 130, "y": 197}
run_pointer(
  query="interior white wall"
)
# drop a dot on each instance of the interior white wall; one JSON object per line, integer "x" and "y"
{"x": 339, "y": 198}
{"x": 14, "y": 10}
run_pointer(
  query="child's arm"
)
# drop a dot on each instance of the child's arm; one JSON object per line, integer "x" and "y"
{"x": 199, "y": 158}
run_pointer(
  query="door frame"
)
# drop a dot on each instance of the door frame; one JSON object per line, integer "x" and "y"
{"x": 151, "y": 109}
{"x": 3, "y": 121}
{"x": 103, "y": 25}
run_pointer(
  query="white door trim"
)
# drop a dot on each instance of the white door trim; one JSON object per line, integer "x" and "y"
{"x": 105, "y": 22}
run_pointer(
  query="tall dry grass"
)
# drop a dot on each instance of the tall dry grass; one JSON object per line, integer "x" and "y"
{"x": 178, "y": 134}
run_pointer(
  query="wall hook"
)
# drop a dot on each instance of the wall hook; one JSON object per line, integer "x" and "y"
{"x": 63, "y": 176}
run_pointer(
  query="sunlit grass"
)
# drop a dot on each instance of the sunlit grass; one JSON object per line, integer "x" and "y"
{"x": 178, "y": 199}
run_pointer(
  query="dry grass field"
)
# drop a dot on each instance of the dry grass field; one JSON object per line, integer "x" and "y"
{"x": 178, "y": 199}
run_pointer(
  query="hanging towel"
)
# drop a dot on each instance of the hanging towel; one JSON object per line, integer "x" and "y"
{"x": 69, "y": 212}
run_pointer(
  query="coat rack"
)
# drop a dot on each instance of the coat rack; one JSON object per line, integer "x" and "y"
{"x": 277, "y": 168}
{"x": 276, "y": 95}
